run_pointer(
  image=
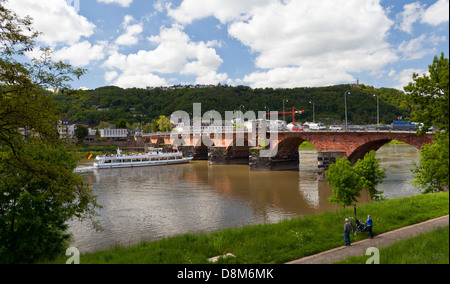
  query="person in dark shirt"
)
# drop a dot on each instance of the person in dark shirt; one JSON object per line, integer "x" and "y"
{"x": 369, "y": 225}
{"x": 347, "y": 229}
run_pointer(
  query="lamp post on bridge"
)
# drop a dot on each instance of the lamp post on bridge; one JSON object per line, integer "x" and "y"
{"x": 346, "y": 117}
{"x": 314, "y": 112}
{"x": 378, "y": 108}
{"x": 284, "y": 115}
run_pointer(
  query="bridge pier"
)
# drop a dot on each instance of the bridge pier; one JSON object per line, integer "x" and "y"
{"x": 327, "y": 158}
{"x": 283, "y": 162}
{"x": 218, "y": 156}
{"x": 198, "y": 153}
{"x": 225, "y": 156}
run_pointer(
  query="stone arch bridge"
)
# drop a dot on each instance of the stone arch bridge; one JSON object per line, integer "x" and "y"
{"x": 245, "y": 147}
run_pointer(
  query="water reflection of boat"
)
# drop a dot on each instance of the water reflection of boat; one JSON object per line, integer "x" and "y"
{"x": 154, "y": 157}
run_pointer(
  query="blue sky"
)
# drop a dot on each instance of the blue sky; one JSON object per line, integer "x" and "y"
{"x": 258, "y": 43}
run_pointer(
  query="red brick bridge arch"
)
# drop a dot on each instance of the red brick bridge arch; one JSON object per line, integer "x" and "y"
{"x": 355, "y": 145}
{"x": 222, "y": 148}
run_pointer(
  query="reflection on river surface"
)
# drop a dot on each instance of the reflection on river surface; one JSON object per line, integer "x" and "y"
{"x": 145, "y": 204}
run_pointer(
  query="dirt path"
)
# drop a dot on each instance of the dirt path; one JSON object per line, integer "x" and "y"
{"x": 379, "y": 241}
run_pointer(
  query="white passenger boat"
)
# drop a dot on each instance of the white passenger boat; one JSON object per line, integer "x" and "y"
{"x": 154, "y": 157}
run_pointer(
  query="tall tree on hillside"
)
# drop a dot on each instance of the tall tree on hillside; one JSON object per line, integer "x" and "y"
{"x": 39, "y": 192}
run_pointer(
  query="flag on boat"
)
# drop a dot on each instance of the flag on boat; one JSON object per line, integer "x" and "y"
{"x": 89, "y": 156}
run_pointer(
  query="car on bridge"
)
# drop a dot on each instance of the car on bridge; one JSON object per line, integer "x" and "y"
{"x": 404, "y": 126}
{"x": 384, "y": 127}
{"x": 335, "y": 128}
{"x": 317, "y": 126}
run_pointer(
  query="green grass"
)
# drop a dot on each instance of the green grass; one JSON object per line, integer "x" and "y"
{"x": 427, "y": 248}
{"x": 275, "y": 243}
{"x": 306, "y": 146}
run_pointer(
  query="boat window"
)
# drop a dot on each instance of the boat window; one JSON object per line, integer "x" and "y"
{"x": 127, "y": 161}
{"x": 145, "y": 159}
{"x": 155, "y": 159}
{"x": 107, "y": 161}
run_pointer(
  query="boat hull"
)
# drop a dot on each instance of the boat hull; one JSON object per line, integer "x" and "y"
{"x": 141, "y": 164}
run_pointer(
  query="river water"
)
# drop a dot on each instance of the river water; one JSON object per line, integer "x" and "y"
{"x": 146, "y": 204}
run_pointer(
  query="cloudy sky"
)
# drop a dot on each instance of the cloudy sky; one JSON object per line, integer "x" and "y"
{"x": 258, "y": 43}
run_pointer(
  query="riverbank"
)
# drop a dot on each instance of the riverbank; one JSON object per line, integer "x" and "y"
{"x": 275, "y": 243}
{"x": 423, "y": 243}
{"x": 427, "y": 248}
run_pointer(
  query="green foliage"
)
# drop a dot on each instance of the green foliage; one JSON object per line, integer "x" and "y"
{"x": 348, "y": 181}
{"x": 121, "y": 124}
{"x": 370, "y": 174}
{"x": 430, "y": 95}
{"x": 345, "y": 183}
{"x": 81, "y": 131}
{"x": 432, "y": 172}
{"x": 39, "y": 192}
{"x": 39, "y": 195}
{"x": 163, "y": 124}
{"x": 144, "y": 106}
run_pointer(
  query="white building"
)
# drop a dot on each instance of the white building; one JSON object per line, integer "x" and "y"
{"x": 114, "y": 133}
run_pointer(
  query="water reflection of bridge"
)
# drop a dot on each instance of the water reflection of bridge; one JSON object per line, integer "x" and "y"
{"x": 246, "y": 148}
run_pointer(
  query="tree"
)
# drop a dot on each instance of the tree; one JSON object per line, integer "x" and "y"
{"x": 81, "y": 131}
{"x": 344, "y": 181}
{"x": 121, "y": 124}
{"x": 104, "y": 125}
{"x": 432, "y": 172}
{"x": 164, "y": 124}
{"x": 39, "y": 191}
{"x": 370, "y": 174}
{"x": 348, "y": 181}
{"x": 430, "y": 94}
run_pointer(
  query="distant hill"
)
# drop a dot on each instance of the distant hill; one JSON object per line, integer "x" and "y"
{"x": 139, "y": 105}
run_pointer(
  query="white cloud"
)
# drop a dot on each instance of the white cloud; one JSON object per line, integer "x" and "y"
{"x": 126, "y": 80}
{"x": 405, "y": 76}
{"x": 416, "y": 48}
{"x": 225, "y": 11}
{"x": 58, "y": 21}
{"x": 315, "y": 42}
{"x": 110, "y": 76}
{"x": 437, "y": 13}
{"x": 174, "y": 53}
{"x": 410, "y": 15}
{"x": 161, "y": 5}
{"x": 132, "y": 32}
{"x": 291, "y": 77}
{"x": 123, "y": 3}
{"x": 81, "y": 54}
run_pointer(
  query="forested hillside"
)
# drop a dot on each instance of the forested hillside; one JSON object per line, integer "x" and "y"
{"x": 110, "y": 104}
